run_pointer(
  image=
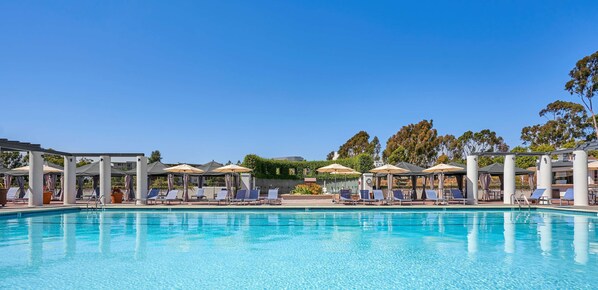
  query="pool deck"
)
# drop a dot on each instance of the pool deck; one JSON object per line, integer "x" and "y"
{"x": 16, "y": 208}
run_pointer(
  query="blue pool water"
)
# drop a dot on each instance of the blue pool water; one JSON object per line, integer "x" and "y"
{"x": 299, "y": 249}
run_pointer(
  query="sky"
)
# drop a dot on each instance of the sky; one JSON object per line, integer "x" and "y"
{"x": 216, "y": 80}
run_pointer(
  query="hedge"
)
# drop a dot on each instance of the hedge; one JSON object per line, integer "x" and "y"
{"x": 282, "y": 169}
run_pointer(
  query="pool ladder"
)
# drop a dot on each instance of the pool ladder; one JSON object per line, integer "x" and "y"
{"x": 518, "y": 200}
{"x": 97, "y": 203}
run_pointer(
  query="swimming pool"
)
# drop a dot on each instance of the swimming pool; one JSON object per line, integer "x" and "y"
{"x": 299, "y": 249}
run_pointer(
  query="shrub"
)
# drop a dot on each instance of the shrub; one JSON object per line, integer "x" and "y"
{"x": 307, "y": 189}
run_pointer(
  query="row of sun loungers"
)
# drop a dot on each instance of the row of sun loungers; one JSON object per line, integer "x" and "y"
{"x": 242, "y": 197}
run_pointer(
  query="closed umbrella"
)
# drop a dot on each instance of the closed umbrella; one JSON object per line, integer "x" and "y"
{"x": 232, "y": 169}
{"x": 186, "y": 170}
{"x": 441, "y": 169}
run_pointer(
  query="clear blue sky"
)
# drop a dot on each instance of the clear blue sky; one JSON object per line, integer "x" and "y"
{"x": 221, "y": 79}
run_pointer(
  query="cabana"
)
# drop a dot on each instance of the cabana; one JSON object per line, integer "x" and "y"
{"x": 497, "y": 169}
{"x": 93, "y": 170}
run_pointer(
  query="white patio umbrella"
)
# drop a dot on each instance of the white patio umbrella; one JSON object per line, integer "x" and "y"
{"x": 334, "y": 168}
{"x": 389, "y": 170}
{"x": 593, "y": 165}
{"x": 441, "y": 169}
{"x": 186, "y": 170}
{"x": 232, "y": 168}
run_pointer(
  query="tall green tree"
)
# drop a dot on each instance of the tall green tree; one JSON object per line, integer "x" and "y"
{"x": 374, "y": 148}
{"x": 155, "y": 156}
{"x": 567, "y": 122}
{"x": 330, "y": 155}
{"x": 12, "y": 159}
{"x": 584, "y": 83}
{"x": 448, "y": 146}
{"x": 419, "y": 142}
{"x": 482, "y": 141}
{"x": 356, "y": 145}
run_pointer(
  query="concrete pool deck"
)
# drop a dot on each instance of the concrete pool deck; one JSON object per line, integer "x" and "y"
{"x": 16, "y": 208}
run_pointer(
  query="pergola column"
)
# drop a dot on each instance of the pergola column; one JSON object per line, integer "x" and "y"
{"x": 105, "y": 176}
{"x": 509, "y": 179}
{"x": 472, "y": 179}
{"x": 580, "y": 178}
{"x": 70, "y": 180}
{"x": 36, "y": 178}
{"x": 545, "y": 178}
{"x": 141, "y": 193}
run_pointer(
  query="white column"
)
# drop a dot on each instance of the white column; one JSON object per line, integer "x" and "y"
{"x": 581, "y": 245}
{"x": 545, "y": 177}
{"x": 105, "y": 175}
{"x": 580, "y": 178}
{"x": 141, "y": 193}
{"x": 509, "y": 178}
{"x": 509, "y": 233}
{"x": 36, "y": 178}
{"x": 70, "y": 180}
{"x": 472, "y": 179}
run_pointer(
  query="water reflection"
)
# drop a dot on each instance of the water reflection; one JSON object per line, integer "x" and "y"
{"x": 544, "y": 222}
{"x": 69, "y": 228}
{"x": 580, "y": 239}
{"x": 509, "y": 232}
{"x": 140, "y": 236}
{"x": 472, "y": 237}
{"x": 36, "y": 242}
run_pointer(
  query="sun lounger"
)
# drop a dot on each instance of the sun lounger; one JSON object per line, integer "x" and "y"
{"x": 171, "y": 196}
{"x": 253, "y": 197}
{"x": 222, "y": 196}
{"x": 273, "y": 197}
{"x": 568, "y": 197}
{"x": 200, "y": 194}
{"x": 457, "y": 196}
{"x": 240, "y": 197}
{"x": 344, "y": 197}
{"x": 397, "y": 196}
{"x": 431, "y": 195}
{"x": 378, "y": 197}
{"x": 12, "y": 194}
{"x": 537, "y": 196}
{"x": 153, "y": 195}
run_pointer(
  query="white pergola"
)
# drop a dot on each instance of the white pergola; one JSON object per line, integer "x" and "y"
{"x": 544, "y": 180}
{"x": 36, "y": 174}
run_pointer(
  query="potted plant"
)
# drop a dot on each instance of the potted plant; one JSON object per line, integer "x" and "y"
{"x": 47, "y": 195}
{"x": 3, "y": 192}
{"x": 117, "y": 195}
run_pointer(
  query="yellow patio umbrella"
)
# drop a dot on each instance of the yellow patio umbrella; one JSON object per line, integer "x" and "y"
{"x": 441, "y": 169}
{"x": 232, "y": 168}
{"x": 47, "y": 169}
{"x": 389, "y": 170}
{"x": 593, "y": 165}
{"x": 186, "y": 169}
{"x": 334, "y": 168}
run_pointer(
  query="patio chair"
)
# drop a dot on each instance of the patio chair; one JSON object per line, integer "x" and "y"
{"x": 240, "y": 197}
{"x": 152, "y": 195}
{"x": 431, "y": 195}
{"x": 200, "y": 194}
{"x": 222, "y": 197}
{"x": 253, "y": 197}
{"x": 12, "y": 194}
{"x": 568, "y": 197}
{"x": 378, "y": 197}
{"x": 457, "y": 196}
{"x": 537, "y": 196}
{"x": 345, "y": 197}
{"x": 398, "y": 196}
{"x": 171, "y": 196}
{"x": 273, "y": 197}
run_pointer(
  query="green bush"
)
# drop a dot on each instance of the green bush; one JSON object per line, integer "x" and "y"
{"x": 267, "y": 168}
{"x": 307, "y": 189}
